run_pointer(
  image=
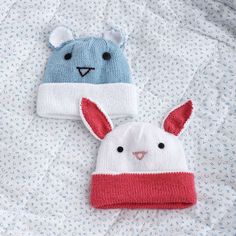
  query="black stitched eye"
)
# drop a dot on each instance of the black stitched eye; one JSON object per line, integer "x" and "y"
{"x": 120, "y": 149}
{"x": 161, "y": 145}
{"x": 106, "y": 56}
{"x": 67, "y": 56}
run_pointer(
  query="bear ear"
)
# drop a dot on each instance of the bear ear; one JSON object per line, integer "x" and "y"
{"x": 116, "y": 36}
{"x": 95, "y": 119}
{"x": 176, "y": 120}
{"x": 59, "y": 36}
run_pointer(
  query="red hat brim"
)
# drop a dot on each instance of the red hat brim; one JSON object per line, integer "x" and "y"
{"x": 173, "y": 190}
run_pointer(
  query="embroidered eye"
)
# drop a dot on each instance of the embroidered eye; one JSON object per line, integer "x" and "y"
{"x": 120, "y": 149}
{"x": 106, "y": 56}
{"x": 67, "y": 56}
{"x": 161, "y": 145}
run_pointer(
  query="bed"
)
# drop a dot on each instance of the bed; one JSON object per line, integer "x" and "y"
{"x": 176, "y": 50}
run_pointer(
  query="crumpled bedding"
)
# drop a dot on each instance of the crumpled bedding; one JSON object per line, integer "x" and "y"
{"x": 176, "y": 50}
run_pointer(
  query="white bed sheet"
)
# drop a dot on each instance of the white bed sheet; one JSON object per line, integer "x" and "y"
{"x": 177, "y": 50}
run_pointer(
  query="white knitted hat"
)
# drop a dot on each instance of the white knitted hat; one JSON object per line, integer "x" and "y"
{"x": 140, "y": 165}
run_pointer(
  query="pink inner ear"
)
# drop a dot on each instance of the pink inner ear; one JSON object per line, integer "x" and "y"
{"x": 177, "y": 118}
{"x": 95, "y": 118}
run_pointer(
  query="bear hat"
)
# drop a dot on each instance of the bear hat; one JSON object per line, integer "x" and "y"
{"x": 86, "y": 67}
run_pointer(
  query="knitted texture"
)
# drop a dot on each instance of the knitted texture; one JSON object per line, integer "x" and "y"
{"x": 163, "y": 191}
{"x": 177, "y": 118}
{"x": 99, "y": 125}
{"x": 87, "y": 53}
{"x": 139, "y": 165}
{"x": 86, "y": 67}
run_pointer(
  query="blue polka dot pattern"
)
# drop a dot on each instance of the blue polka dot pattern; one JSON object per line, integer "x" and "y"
{"x": 176, "y": 50}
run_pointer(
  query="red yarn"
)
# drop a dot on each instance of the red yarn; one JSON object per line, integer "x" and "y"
{"x": 95, "y": 118}
{"x": 177, "y": 118}
{"x": 158, "y": 191}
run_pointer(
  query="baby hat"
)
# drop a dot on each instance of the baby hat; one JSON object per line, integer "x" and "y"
{"x": 86, "y": 67}
{"x": 140, "y": 165}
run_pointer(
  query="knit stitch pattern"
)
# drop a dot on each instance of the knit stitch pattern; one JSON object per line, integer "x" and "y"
{"x": 139, "y": 165}
{"x": 87, "y": 53}
{"x": 86, "y": 67}
{"x": 162, "y": 191}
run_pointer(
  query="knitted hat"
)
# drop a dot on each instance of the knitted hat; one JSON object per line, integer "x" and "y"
{"x": 140, "y": 165}
{"x": 90, "y": 67}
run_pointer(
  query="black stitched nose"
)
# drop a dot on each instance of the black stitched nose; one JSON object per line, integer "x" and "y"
{"x": 84, "y": 70}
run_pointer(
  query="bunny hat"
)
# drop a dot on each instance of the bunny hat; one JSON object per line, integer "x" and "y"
{"x": 140, "y": 165}
{"x": 86, "y": 67}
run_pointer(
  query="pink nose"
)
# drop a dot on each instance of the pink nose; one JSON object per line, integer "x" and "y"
{"x": 139, "y": 155}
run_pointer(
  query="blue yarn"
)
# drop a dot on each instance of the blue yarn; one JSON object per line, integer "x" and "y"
{"x": 87, "y": 52}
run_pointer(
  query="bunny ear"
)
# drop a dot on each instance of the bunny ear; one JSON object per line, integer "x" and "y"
{"x": 175, "y": 121}
{"x": 59, "y": 36}
{"x": 95, "y": 119}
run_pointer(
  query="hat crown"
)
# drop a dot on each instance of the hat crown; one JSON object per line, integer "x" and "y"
{"x": 140, "y": 147}
{"x": 87, "y": 60}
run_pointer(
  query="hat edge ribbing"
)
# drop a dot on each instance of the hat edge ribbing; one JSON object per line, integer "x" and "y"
{"x": 174, "y": 190}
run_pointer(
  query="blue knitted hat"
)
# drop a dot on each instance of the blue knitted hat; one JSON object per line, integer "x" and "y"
{"x": 86, "y": 67}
